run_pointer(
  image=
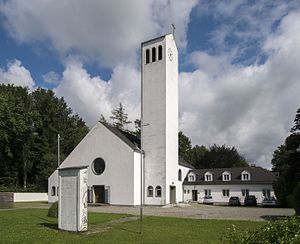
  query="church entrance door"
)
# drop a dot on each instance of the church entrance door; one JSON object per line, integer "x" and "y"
{"x": 99, "y": 194}
{"x": 172, "y": 194}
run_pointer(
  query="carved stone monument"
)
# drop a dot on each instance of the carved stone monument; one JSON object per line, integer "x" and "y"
{"x": 72, "y": 199}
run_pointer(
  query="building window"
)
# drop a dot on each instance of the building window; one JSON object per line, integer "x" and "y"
{"x": 184, "y": 191}
{"x": 188, "y": 191}
{"x": 160, "y": 52}
{"x": 98, "y": 166}
{"x": 53, "y": 191}
{"x": 225, "y": 192}
{"x": 179, "y": 175}
{"x": 245, "y": 192}
{"x": 226, "y": 176}
{"x": 208, "y": 176}
{"x": 150, "y": 191}
{"x": 147, "y": 56}
{"x": 207, "y": 192}
{"x": 245, "y": 175}
{"x": 57, "y": 191}
{"x": 191, "y": 177}
{"x": 153, "y": 54}
{"x": 158, "y": 191}
{"x": 266, "y": 192}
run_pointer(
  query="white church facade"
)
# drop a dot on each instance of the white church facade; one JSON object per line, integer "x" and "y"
{"x": 113, "y": 156}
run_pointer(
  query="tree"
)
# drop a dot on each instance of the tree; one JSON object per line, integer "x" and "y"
{"x": 184, "y": 146}
{"x": 120, "y": 117}
{"x": 286, "y": 161}
{"x": 196, "y": 156}
{"x": 223, "y": 157}
{"x": 137, "y": 125}
{"x": 29, "y": 124}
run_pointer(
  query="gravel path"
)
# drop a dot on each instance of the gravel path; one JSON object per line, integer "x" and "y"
{"x": 200, "y": 211}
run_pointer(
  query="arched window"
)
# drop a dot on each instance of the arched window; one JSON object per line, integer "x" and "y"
{"x": 158, "y": 191}
{"x": 153, "y": 54}
{"x": 53, "y": 190}
{"x": 150, "y": 191}
{"x": 147, "y": 56}
{"x": 159, "y": 52}
{"x": 179, "y": 175}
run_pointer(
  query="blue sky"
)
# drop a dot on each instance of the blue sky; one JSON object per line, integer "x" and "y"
{"x": 238, "y": 62}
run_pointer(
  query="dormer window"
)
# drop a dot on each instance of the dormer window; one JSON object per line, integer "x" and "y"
{"x": 245, "y": 175}
{"x": 191, "y": 177}
{"x": 208, "y": 176}
{"x": 226, "y": 176}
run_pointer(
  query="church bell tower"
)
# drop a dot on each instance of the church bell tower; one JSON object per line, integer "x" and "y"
{"x": 160, "y": 120}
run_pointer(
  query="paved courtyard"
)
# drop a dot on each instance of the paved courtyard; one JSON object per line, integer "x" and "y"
{"x": 200, "y": 211}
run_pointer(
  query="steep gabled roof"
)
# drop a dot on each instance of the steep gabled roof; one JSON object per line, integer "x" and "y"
{"x": 182, "y": 162}
{"x": 131, "y": 140}
{"x": 258, "y": 175}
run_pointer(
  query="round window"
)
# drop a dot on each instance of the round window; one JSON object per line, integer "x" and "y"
{"x": 98, "y": 166}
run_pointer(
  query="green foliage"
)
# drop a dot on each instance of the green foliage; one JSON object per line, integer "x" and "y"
{"x": 296, "y": 196}
{"x": 184, "y": 146}
{"x": 120, "y": 117}
{"x": 29, "y": 124}
{"x": 53, "y": 210}
{"x": 216, "y": 157}
{"x": 286, "y": 161}
{"x": 285, "y": 231}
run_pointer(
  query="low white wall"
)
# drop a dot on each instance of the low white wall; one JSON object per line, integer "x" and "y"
{"x": 30, "y": 197}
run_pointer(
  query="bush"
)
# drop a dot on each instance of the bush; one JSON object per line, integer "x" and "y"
{"x": 285, "y": 231}
{"x": 53, "y": 210}
{"x": 296, "y": 196}
{"x": 290, "y": 201}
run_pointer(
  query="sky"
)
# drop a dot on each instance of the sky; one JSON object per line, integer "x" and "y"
{"x": 238, "y": 64}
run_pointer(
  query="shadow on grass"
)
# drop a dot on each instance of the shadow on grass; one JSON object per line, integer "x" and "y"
{"x": 50, "y": 226}
{"x": 274, "y": 217}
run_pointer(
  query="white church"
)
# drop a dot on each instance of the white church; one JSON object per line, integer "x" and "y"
{"x": 113, "y": 156}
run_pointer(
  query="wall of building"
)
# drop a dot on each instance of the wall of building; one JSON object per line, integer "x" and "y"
{"x": 184, "y": 171}
{"x": 172, "y": 119}
{"x": 154, "y": 117}
{"x": 30, "y": 197}
{"x": 234, "y": 190}
{"x": 53, "y": 182}
{"x": 118, "y": 175}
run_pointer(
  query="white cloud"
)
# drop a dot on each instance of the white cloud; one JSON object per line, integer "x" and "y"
{"x": 108, "y": 32}
{"x": 51, "y": 77}
{"x": 91, "y": 96}
{"x": 16, "y": 74}
{"x": 249, "y": 107}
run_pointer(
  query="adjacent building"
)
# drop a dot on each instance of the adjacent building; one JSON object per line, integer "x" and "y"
{"x": 224, "y": 183}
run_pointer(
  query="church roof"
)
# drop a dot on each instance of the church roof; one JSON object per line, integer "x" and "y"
{"x": 182, "y": 162}
{"x": 131, "y": 140}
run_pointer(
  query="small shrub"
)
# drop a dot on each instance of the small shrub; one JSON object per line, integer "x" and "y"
{"x": 296, "y": 196}
{"x": 290, "y": 201}
{"x": 53, "y": 210}
{"x": 286, "y": 231}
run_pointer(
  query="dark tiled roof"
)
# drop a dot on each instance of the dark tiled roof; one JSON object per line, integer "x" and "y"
{"x": 182, "y": 162}
{"x": 131, "y": 140}
{"x": 258, "y": 175}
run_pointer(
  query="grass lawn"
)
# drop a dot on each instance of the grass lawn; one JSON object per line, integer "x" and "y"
{"x": 33, "y": 226}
